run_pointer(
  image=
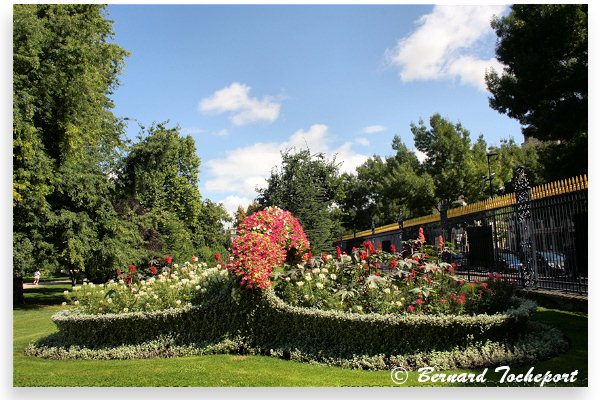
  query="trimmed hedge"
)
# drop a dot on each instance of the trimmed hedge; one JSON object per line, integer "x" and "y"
{"x": 267, "y": 322}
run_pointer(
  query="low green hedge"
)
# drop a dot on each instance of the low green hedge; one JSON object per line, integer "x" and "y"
{"x": 266, "y": 322}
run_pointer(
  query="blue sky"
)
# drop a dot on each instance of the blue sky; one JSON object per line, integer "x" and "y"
{"x": 246, "y": 81}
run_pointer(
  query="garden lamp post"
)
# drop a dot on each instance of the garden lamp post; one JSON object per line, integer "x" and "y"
{"x": 489, "y": 179}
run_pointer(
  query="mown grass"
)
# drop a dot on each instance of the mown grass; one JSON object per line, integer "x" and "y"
{"x": 32, "y": 322}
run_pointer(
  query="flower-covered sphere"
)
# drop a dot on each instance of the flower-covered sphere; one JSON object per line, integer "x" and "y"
{"x": 283, "y": 228}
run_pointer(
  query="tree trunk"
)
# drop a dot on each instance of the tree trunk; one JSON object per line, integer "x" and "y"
{"x": 18, "y": 296}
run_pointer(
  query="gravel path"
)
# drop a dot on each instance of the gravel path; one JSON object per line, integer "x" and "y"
{"x": 42, "y": 283}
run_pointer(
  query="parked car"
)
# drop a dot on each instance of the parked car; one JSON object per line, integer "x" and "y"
{"x": 550, "y": 261}
{"x": 509, "y": 262}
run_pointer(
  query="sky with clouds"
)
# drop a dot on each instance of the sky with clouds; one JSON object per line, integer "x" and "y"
{"x": 249, "y": 81}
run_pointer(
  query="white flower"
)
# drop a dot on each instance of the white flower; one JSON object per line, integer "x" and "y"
{"x": 399, "y": 303}
{"x": 359, "y": 308}
{"x": 64, "y": 303}
{"x": 322, "y": 276}
{"x": 299, "y": 283}
{"x": 306, "y": 296}
{"x": 178, "y": 302}
{"x": 66, "y": 292}
{"x": 386, "y": 290}
{"x": 324, "y": 270}
{"x": 197, "y": 287}
{"x": 308, "y": 277}
{"x": 76, "y": 288}
{"x": 155, "y": 296}
{"x": 126, "y": 309}
{"x": 402, "y": 299}
{"x": 84, "y": 283}
{"x": 109, "y": 300}
{"x": 333, "y": 276}
{"x": 319, "y": 285}
{"x": 316, "y": 270}
{"x": 76, "y": 302}
{"x": 287, "y": 279}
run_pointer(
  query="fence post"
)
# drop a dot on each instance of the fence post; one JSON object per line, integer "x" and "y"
{"x": 373, "y": 226}
{"x": 400, "y": 225}
{"x": 526, "y": 238}
{"x": 443, "y": 216}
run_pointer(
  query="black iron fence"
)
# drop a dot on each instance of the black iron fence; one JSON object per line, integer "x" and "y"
{"x": 535, "y": 236}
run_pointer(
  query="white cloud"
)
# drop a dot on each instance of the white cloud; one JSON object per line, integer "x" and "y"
{"x": 222, "y": 132}
{"x": 231, "y": 203}
{"x": 362, "y": 140}
{"x": 243, "y": 109}
{"x": 374, "y": 129}
{"x": 245, "y": 168}
{"x": 444, "y": 45}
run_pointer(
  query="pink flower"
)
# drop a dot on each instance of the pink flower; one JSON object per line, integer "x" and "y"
{"x": 419, "y": 301}
{"x": 443, "y": 301}
{"x": 194, "y": 258}
{"x": 440, "y": 242}
{"x": 411, "y": 307}
{"x": 484, "y": 284}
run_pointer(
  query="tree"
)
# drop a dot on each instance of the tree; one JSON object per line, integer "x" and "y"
{"x": 64, "y": 69}
{"x": 159, "y": 177}
{"x": 308, "y": 185}
{"x": 455, "y": 165}
{"x": 544, "y": 84}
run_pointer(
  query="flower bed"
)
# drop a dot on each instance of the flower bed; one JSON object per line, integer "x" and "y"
{"x": 370, "y": 309}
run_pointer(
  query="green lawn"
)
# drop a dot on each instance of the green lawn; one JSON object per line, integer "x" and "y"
{"x": 32, "y": 322}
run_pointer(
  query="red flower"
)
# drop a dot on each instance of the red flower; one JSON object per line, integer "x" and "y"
{"x": 194, "y": 258}
{"x": 421, "y": 235}
{"x": 153, "y": 270}
{"x": 393, "y": 248}
{"x": 324, "y": 257}
{"x": 484, "y": 284}
{"x": 440, "y": 242}
{"x": 217, "y": 256}
{"x": 393, "y": 264}
{"x": 419, "y": 301}
{"x": 339, "y": 252}
{"x": 168, "y": 259}
{"x": 132, "y": 268}
{"x": 118, "y": 272}
{"x": 443, "y": 301}
{"x": 363, "y": 255}
{"x": 411, "y": 307}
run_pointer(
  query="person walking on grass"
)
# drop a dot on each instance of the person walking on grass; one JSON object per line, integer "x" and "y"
{"x": 36, "y": 277}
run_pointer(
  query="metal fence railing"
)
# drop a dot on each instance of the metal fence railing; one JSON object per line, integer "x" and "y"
{"x": 535, "y": 236}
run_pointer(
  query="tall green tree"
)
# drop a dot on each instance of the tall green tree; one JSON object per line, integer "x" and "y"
{"x": 159, "y": 177}
{"x": 65, "y": 66}
{"x": 309, "y": 186}
{"x": 454, "y": 164}
{"x": 544, "y": 84}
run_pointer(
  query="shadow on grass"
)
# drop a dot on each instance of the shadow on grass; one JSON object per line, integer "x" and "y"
{"x": 40, "y": 296}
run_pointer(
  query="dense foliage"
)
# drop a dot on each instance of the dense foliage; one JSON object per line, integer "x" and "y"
{"x": 544, "y": 84}
{"x": 65, "y": 140}
{"x": 452, "y": 170}
{"x": 84, "y": 200}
